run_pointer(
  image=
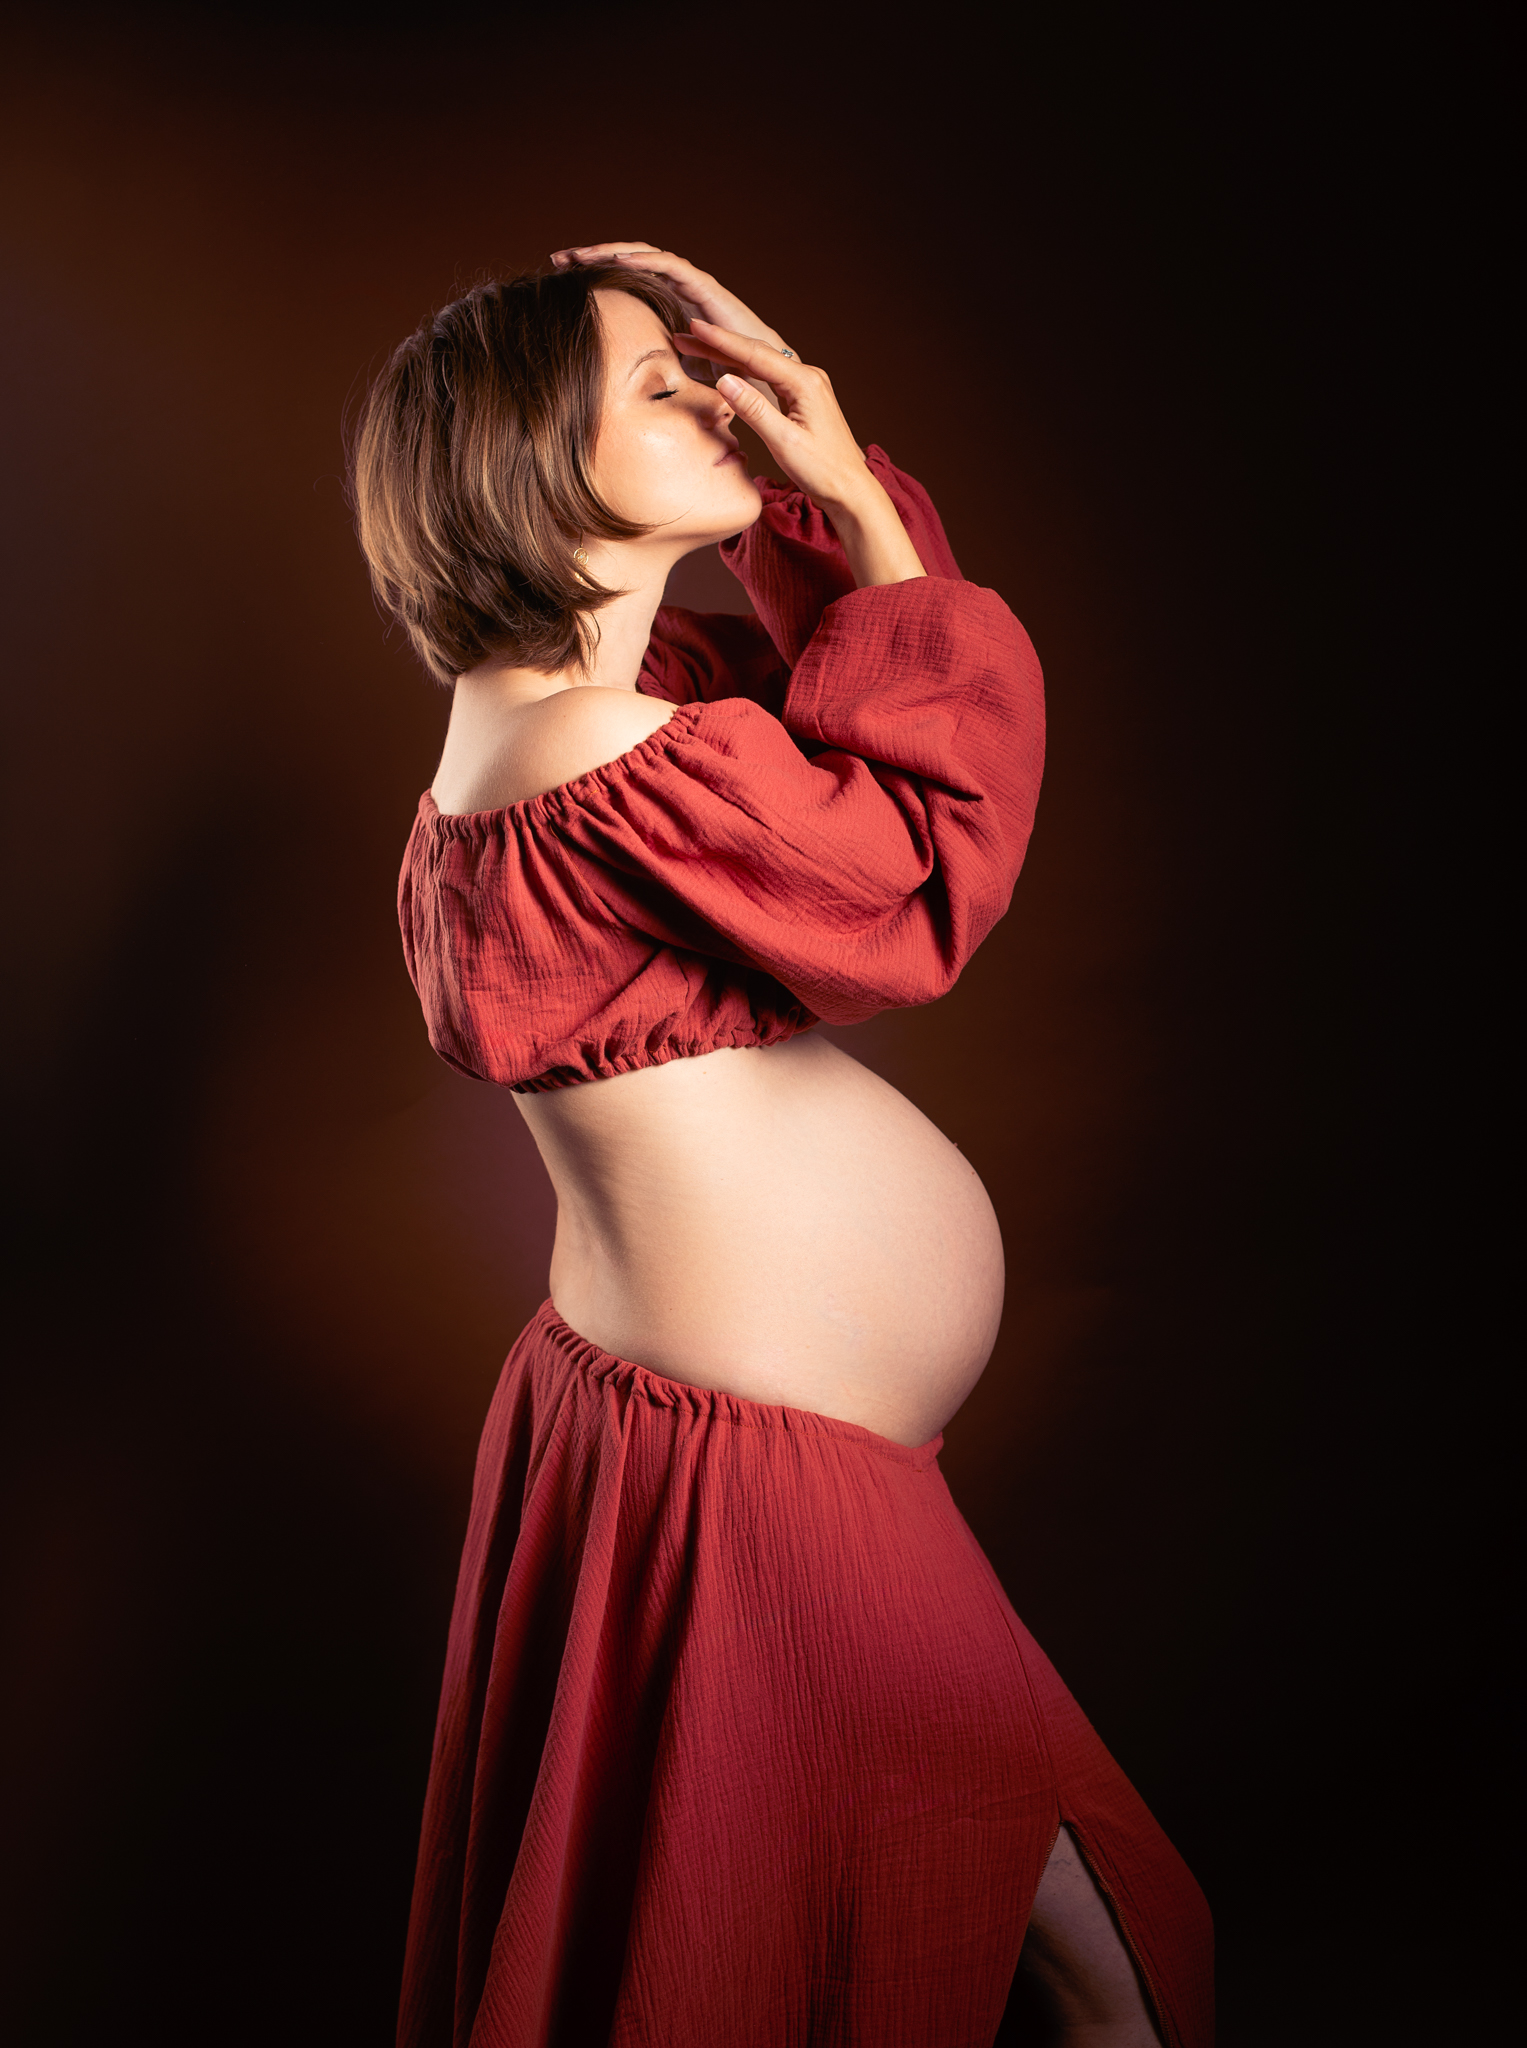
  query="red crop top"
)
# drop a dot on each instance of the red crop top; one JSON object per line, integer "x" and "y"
{"x": 828, "y": 826}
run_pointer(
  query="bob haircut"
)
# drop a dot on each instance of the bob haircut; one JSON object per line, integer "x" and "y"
{"x": 469, "y": 471}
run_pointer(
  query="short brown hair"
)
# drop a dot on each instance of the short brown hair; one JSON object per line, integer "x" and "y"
{"x": 469, "y": 470}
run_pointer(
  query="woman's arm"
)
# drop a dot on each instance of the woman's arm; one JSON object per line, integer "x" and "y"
{"x": 860, "y": 869}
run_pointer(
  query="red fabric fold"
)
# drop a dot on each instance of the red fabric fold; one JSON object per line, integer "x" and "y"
{"x": 740, "y": 1741}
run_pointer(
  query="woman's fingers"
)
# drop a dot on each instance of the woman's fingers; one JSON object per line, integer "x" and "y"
{"x": 767, "y": 418}
{"x": 808, "y": 436}
{"x": 759, "y": 361}
{"x": 693, "y": 283}
{"x": 778, "y": 367}
{"x": 603, "y": 252}
{"x": 697, "y": 291}
{"x": 753, "y": 366}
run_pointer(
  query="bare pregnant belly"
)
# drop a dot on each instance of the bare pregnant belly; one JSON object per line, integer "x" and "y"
{"x": 778, "y": 1223}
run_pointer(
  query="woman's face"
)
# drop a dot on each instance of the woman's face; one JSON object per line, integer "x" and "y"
{"x": 664, "y": 456}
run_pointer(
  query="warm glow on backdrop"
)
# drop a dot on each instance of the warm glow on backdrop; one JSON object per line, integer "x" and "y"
{"x": 272, "y": 1251}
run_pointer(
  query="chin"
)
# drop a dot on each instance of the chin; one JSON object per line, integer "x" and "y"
{"x": 731, "y": 511}
{"x": 750, "y": 503}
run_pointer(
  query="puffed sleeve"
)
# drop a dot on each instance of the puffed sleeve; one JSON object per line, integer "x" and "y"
{"x": 792, "y": 564}
{"x": 700, "y": 657}
{"x": 858, "y": 848}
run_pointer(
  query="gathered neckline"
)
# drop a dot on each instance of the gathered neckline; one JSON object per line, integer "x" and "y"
{"x": 562, "y": 792}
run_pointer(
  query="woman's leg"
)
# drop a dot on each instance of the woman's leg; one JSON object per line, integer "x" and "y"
{"x": 1075, "y": 1961}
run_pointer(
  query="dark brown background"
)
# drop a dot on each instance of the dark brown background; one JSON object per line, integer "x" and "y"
{"x": 1120, "y": 298}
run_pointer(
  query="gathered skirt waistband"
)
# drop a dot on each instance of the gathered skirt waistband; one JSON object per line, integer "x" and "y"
{"x": 711, "y": 1404}
{"x": 741, "y": 1740}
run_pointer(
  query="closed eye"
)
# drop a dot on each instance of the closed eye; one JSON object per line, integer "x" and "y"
{"x": 667, "y": 394}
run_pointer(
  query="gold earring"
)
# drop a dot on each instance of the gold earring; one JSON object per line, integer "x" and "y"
{"x": 580, "y": 556}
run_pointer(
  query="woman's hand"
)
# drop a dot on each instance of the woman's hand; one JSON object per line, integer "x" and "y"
{"x": 696, "y": 290}
{"x": 810, "y": 439}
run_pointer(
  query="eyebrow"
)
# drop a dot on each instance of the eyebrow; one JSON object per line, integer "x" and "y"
{"x": 666, "y": 349}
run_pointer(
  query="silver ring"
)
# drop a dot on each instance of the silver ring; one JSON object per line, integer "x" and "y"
{"x": 790, "y": 352}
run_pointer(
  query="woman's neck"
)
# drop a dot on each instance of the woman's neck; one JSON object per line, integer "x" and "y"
{"x": 624, "y": 626}
{"x": 622, "y": 630}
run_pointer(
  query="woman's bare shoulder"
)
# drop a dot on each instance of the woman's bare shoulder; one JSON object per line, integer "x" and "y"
{"x": 541, "y": 745}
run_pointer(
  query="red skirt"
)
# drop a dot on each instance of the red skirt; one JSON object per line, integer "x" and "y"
{"x": 741, "y": 1742}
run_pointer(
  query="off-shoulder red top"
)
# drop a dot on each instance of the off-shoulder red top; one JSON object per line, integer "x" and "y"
{"x": 829, "y": 825}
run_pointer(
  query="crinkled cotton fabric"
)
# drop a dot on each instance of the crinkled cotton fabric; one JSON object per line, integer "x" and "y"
{"x": 828, "y": 825}
{"x": 742, "y": 1743}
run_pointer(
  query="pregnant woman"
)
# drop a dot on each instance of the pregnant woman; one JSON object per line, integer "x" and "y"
{"x": 741, "y": 1744}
